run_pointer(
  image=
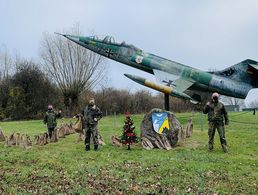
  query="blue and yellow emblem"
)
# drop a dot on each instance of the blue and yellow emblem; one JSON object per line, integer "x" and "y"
{"x": 160, "y": 122}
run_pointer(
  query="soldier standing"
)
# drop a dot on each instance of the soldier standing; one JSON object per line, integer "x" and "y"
{"x": 92, "y": 115}
{"x": 217, "y": 114}
{"x": 50, "y": 119}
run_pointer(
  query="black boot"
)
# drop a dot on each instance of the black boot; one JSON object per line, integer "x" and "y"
{"x": 210, "y": 147}
{"x": 224, "y": 148}
{"x": 96, "y": 147}
{"x": 87, "y": 147}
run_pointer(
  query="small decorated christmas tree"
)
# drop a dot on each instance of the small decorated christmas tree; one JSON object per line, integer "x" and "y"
{"x": 129, "y": 136}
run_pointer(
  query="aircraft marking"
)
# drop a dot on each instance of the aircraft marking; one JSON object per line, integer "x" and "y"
{"x": 138, "y": 59}
{"x": 109, "y": 52}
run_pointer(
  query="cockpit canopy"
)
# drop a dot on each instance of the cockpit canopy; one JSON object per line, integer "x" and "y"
{"x": 107, "y": 39}
{"x": 111, "y": 40}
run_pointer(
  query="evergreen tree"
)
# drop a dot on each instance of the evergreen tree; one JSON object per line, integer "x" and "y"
{"x": 129, "y": 136}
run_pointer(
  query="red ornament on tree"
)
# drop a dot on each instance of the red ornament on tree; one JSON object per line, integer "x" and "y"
{"x": 129, "y": 136}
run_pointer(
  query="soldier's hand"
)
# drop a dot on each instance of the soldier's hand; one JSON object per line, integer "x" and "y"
{"x": 208, "y": 104}
{"x": 95, "y": 119}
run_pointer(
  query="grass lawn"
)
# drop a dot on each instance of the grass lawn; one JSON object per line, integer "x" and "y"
{"x": 65, "y": 168}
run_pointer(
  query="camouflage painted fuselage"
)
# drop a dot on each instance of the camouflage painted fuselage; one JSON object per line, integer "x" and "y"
{"x": 235, "y": 81}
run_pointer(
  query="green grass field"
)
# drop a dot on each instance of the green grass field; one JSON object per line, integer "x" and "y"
{"x": 65, "y": 168}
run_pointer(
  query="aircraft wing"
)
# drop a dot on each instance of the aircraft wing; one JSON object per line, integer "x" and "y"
{"x": 182, "y": 84}
{"x": 179, "y": 83}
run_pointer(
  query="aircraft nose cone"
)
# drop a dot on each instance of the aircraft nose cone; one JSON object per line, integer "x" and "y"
{"x": 70, "y": 37}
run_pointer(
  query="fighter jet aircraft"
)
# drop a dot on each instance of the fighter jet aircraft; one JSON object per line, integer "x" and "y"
{"x": 174, "y": 78}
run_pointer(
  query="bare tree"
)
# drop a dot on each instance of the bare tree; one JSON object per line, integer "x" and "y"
{"x": 6, "y": 63}
{"x": 233, "y": 101}
{"x": 74, "y": 68}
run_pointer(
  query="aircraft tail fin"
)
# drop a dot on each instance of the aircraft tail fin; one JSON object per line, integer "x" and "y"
{"x": 245, "y": 71}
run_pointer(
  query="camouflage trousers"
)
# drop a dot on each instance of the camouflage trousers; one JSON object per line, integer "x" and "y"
{"x": 91, "y": 130}
{"x": 50, "y": 131}
{"x": 219, "y": 125}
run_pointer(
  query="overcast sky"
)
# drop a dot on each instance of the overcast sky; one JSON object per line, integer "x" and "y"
{"x": 204, "y": 34}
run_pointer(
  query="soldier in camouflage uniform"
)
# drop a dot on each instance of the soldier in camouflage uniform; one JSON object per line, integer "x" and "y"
{"x": 50, "y": 119}
{"x": 217, "y": 114}
{"x": 92, "y": 115}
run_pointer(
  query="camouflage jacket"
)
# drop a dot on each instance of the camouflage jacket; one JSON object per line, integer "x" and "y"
{"x": 92, "y": 115}
{"x": 216, "y": 112}
{"x": 50, "y": 118}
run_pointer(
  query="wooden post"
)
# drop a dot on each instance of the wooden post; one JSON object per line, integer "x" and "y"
{"x": 114, "y": 119}
{"x": 201, "y": 121}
